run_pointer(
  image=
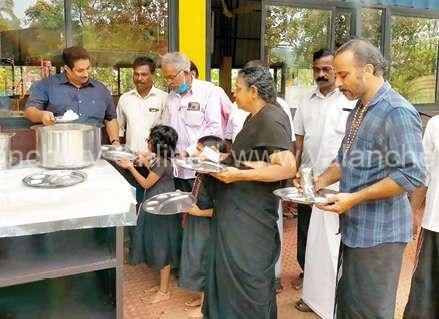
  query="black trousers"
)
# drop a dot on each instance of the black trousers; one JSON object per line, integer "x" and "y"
{"x": 369, "y": 280}
{"x": 303, "y": 218}
{"x": 424, "y": 293}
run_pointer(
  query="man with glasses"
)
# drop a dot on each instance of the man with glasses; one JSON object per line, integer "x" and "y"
{"x": 319, "y": 124}
{"x": 193, "y": 109}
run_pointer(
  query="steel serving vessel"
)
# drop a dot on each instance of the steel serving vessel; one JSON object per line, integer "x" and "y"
{"x": 67, "y": 146}
{"x": 5, "y": 150}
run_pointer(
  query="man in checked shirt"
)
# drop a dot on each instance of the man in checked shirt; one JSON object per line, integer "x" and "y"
{"x": 379, "y": 162}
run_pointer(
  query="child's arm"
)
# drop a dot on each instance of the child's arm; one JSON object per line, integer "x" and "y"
{"x": 144, "y": 182}
{"x": 195, "y": 211}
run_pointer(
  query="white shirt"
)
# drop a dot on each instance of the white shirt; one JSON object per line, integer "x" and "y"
{"x": 237, "y": 118}
{"x": 431, "y": 149}
{"x": 139, "y": 114}
{"x": 322, "y": 121}
{"x": 193, "y": 115}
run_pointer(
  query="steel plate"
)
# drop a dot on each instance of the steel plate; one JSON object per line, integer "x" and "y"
{"x": 291, "y": 194}
{"x": 60, "y": 119}
{"x": 55, "y": 179}
{"x": 169, "y": 203}
{"x": 119, "y": 154}
{"x": 198, "y": 165}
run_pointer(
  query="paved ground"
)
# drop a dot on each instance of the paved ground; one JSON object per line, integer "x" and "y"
{"x": 139, "y": 278}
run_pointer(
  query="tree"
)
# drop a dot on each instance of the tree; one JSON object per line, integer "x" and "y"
{"x": 46, "y": 15}
{"x": 414, "y": 55}
{"x": 113, "y": 31}
{"x": 8, "y": 19}
{"x": 292, "y": 35}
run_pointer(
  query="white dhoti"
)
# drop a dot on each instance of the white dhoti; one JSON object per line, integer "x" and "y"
{"x": 280, "y": 226}
{"x": 321, "y": 260}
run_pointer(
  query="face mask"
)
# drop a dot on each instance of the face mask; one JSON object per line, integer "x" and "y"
{"x": 183, "y": 88}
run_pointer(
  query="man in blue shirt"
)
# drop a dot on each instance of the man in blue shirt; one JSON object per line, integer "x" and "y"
{"x": 379, "y": 162}
{"x": 73, "y": 90}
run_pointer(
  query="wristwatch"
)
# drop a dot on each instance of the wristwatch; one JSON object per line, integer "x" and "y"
{"x": 114, "y": 140}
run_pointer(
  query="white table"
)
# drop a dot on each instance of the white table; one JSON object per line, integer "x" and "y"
{"x": 64, "y": 237}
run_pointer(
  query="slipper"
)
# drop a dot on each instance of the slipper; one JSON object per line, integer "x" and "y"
{"x": 302, "y": 306}
{"x": 193, "y": 302}
{"x": 152, "y": 289}
{"x": 195, "y": 314}
{"x": 158, "y": 297}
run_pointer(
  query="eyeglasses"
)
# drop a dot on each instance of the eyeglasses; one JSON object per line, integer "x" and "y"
{"x": 172, "y": 77}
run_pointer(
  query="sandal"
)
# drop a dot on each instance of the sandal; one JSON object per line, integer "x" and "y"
{"x": 152, "y": 289}
{"x": 302, "y": 306}
{"x": 159, "y": 296}
{"x": 195, "y": 314}
{"x": 196, "y": 302}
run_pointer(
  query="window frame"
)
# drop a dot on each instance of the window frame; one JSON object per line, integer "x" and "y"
{"x": 386, "y": 19}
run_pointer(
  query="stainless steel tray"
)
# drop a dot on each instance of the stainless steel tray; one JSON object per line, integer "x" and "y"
{"x": 169, "y": 203}
{"x": 109, "y": 147}
{"x": 291, "y": 194}
{"x": 117, "y": 153}
{"x": 196, "y": 164}
{"x": 60, "y": 119}
{"x": 55, "y": 179}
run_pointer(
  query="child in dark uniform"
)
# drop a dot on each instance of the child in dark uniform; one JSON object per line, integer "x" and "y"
{"x": 157, "y": 238}
{"x": 196, "y": 231}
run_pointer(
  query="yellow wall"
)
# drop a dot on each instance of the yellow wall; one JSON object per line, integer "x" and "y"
{"x": 192, "y": 32}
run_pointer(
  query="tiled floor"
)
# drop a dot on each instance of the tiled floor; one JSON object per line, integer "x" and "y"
{"x": 139, "y": 278}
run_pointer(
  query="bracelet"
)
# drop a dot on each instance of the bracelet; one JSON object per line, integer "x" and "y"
{"x": 115, "y": 140}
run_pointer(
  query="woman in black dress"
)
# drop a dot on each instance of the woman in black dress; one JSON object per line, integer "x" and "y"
{"x": 245, "y": 242}
{"x": 157, "y": 238}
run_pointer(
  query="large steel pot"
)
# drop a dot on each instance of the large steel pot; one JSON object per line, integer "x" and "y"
{"x": 67, "y": 146}
{"x": 5, "y": 150}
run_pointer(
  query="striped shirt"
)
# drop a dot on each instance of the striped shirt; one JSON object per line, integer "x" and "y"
{"x": 388, "y": 144}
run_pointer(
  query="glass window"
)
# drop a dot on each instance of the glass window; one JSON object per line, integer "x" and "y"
{"x": 342, "y": 27}
{"x": 291, "y": 36}
{"x": 31, "y": 40}
{"x": 115, "y": 33}
{"x": 371, "y": 25}
{"x": 414, "y": 54}
{"x": 214, "y": 76}
{"x": 32, "y": 37}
